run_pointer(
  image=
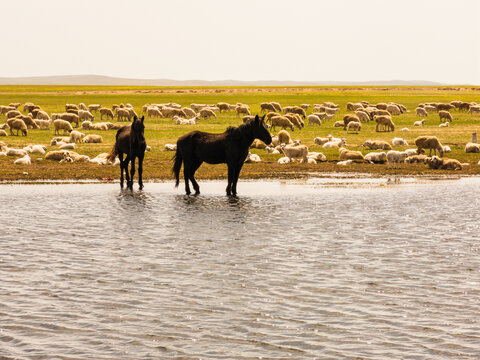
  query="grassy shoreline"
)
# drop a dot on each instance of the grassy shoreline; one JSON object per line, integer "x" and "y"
{"x": 157, "y": 165}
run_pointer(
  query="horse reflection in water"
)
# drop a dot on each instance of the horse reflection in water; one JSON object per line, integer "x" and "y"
{"x": 230, "y": 147}
{"x": 130, "y": 140}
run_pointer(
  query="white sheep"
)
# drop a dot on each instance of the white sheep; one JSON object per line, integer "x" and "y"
{"x": 317, "y": 156}
{"x": 335, "y": 144}
{"x": 13, "y": 152}
{"x": 67, "y": 146}
{"x": 399, "y": 141}
{"x": 92, "y": 138}
{"x": 86, "y": 125}
{"x": 404, "y": 129}
{"x": 345, "y": 162}
{"x": 23, "y": 160}
{"x": 472, "y": 148}
{"x": 36, "y": 149}
{"x": 284, "y": 160}
{"x": 62, "y": 125}
{"x": 446, "y": 149}
{"x": 394, "y": 158}
{"x": 419, "y": 123}
{"x": 170, "y": 147}
{"x": 272, "y": 150}
{"x": 354, "y": 125}
{"x": 376, "y": 157}
{"x": 76, "y": 136}
{"x": 321, "y": 141}
{"x": 314, "y": 119}
{"x": 411, "y": 152}
{"x": 446, "y": 124}
{"x": 295, "y": 151}
{"x": 252, "y": 158}
{"x": 43, "y": 124}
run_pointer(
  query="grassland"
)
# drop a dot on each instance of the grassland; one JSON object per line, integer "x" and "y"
{"x": 161, "y": 131}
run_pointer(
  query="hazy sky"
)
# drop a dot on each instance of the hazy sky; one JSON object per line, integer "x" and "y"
{"x": 343, "y": 40}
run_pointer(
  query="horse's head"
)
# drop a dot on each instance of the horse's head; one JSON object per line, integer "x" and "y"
{"x": 260, "y": 130}
{"x": 138, "y": 128}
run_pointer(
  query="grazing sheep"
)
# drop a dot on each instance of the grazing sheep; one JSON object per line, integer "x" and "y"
{"x": 62, "y": 125}
{"x": 349, "y": 118}
{"x": 27, "y": 119}
{"x": 292, "y": 151}
{"x": 86, "y": 115}
{"x": 339, "y": 123}
{"x": 94, "y": 107}
{"x": 153, "y": 112}
{"x": 23, "y": 160}
{"x": 248, "y": 118}
{"x": 430, "y": 108}
{"x": 190, "y": 112}
{"x": 349, "y": 154}
{"x": 70, "y": 117}
{"x": 170, "y": 147}
{"x": 472, "y": 148}
{"x": 445, "y": 115}
{"x": 376, "y": 157}
{"x": 281, "y": 121}
{"x": 445, "y": 107}
{"x": 314, "y": 119}
{"x": 284, "y": 137}
{"x": 70, "y": 111}
{"x": 71, "y": 106}
{"x": 17, "y": 124}
{"x": 123, "y": 114}
{"x": 295, "y": 120}
{"x": 42, "y": 115}
{"x": 474, "y": 109}
{"x": 421, "y": 112}
{"x": 446, "y": 124}
{"x": 266, "y": 107}
{"x": 13, "y": 152}
{"x": 412, "y": 159}
{"x": 393, "y": 109}
{"x": 354, "y": 125}
{"x": 207, "y": 113}
{"x": 43, "y": 124}
{"x": 277, "y": 106}
{"x": 92, "y": 139}
{"x": 105, "y": 112}
{"x": 381, "y": 106}
{"x": 252, "y": 158}
{"x": 14, "y": 105}
{"x": 363, "y": 116}
{"x": 270, "y": 115}
{"x": 67, "y": 146}
{"x": 242, "y": 109}
{"x": 12, "y": 114}
{"x": 394, "y": 158}
{"x": 429, "y": 142}
{"x": 384, "y": 121}
{"x": 399, "y": 141}
{"x": 377, "y": 145}
{"x": 321, "y": 141}
{"x": 446, "y": 164}
{"x": 76, "y": 136}
{"x": 419, "y": 123}
{"x": 223, "y": 106}
{"x": 28, "y": 107}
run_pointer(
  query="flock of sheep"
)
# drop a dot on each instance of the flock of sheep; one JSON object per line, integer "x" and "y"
{"x": 78, "y": 117}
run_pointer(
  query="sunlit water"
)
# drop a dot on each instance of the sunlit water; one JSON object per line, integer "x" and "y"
{"x": 362, "y": 270}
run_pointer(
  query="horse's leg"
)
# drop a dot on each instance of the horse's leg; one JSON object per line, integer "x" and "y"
{"x": 195, "y": 167}
{"x": 127, "y": 175}
{"x": 186, "y": 171}
{"x": 120, "y": 157}
{"x": 140, "y": 171}
{"x": 132, "y": 173}
{"x": 238, "y": 167}
{"x": 231, "y": 171}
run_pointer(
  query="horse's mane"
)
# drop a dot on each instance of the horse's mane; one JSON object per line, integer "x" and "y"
{"x": 239, "y": 131}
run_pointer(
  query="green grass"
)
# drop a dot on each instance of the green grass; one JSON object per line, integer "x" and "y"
{"x": 161, "y": 131}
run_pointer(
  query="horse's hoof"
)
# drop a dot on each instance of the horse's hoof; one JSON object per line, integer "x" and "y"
{"x": 140, "y": 187}
{"x": 197, "y": 193}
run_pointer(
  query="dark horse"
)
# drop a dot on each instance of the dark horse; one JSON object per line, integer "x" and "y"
{"x": 229, "y": 147}
{"x": 131, "y": 142}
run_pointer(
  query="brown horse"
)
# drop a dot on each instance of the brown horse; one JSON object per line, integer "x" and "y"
{"x": 131, "y": 142}
{"x": 230, "y": 147}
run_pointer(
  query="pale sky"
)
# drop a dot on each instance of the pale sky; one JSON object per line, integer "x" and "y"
{"x": 302, "y": 40}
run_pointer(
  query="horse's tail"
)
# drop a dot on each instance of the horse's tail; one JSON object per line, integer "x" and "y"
{"x": 113, "y": 154}
{"x": 177, "y": 165}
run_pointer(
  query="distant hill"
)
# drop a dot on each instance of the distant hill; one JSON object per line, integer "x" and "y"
{"x": 114, "y": 81}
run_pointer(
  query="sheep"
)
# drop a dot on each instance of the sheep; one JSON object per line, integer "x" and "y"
{"x": 296, "y": 110}
{"x": 277, "y": 106}
{"x": 349, "y": 118}
{"x": 446, "y": 164}
{"x": 179, "y": 121}
{"x": 36, "y": 149}
{"x": 170, "y": 147}
{"x": 207, "y": 113}
{"x": 393, "y": 109}
{"x": 86, "y": 125}
{"x": 404, "y": 129}
{"x": 295, "y": 120}
{"x": 71, "y": 118}
{"x": 349, "y": 154}
{"x": 42, "y": 115}
{"x": 430, "y": 108}
{"x": 258, "y": 144}
{"x": 17, "y": 124}
{"x": 292, "y": 151}
{"x": 92, "y": 138}
{"x": 317, "y": 156}
{"x": 321, "y": 115}
{"x": 271, "y": 150}
{"x": 394, "y": 158}
{"x": 474, "y": 109}
{"x": 429, "y": 142}
{"x": 106, "y": 112}
{"x": 266, "y": 107}
{"x": 305, "y": 106}
{"x": 376, "y": 157}
{"x": 70, "y": 106}
{"x": 67, "y": 146}
{"x": 314, "y": 119}
{"x": 111, "y": 126}
{"x": 69, "y": 111}
{"x": 248, "y": 118}
{"x": 3, "y": 133}
{"x": 100, "y": 126}
{"x": 28, "y": 107}
{"x": 411, "y": 152}
{"x": 285, "y": 160}
{"x": 321, "y": 141}
{"x": 412, "y": 159}
{"x": 338, "y": 123}
{"x": 86, "y": 115}
{"x": 354, "y": 125}
{"x": 252, "y": 158}
{"x": 12, "y": 114}
{"x": 94, "y": 107}
{"x": 27, "y": 119}
{"x": 446, "y": 149}
{"x": 13, "y": 152}
{"x": 345, "y": 162}
{"x": 385, "y": 121}
{"x": 377, "y": 145}
{"x": 62, "y": 125}
{"x": 421, "y": 112}
{"x": 14, "y": 105}
{"x": 443, "y": 114}
{"x": 23, "y": 160}
{"x": 152, "y": 112}
{"x": 419, "y": 123}
{"x": 189, "y": 112}
{"x": 56, "y": 155}
{"x": 363, "y": 116}
{"x": 282, "y": 121}
{"x": 472, "y": 148}
{"x": 284, "y": 137}
{"x": 76, "y": 136}
{"x": 379, "y": 113}
{"x": 123, "y": 114}
{"x": 241, "y": 109}
{"x": 60, "y": 140}
{"x": 270, "y": 115}
{"x": 335, "y": 143}
{"x": 399, "y": 141}
{"x": 43, "y": 124}
{"x": 445, "y": 107}
{"x": 223, "y": 106}
{"x": 445, "y": 124}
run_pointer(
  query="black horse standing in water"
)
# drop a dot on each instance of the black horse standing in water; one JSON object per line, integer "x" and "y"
{"x": 131, "y": 142}
{"x": 230, "y": 147}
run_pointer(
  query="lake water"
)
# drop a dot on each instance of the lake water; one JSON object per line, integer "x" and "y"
{"x": 347, "y": 269}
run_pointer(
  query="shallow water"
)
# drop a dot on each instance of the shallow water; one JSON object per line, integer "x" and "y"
{"x": 316, "y": 269}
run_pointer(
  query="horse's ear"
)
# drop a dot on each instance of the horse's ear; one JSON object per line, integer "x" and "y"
{"x": 263, "y": 118}
{"x": 257, "y": 118}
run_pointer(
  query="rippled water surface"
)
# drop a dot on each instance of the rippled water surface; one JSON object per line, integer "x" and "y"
{"x": 363, "y": 270}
